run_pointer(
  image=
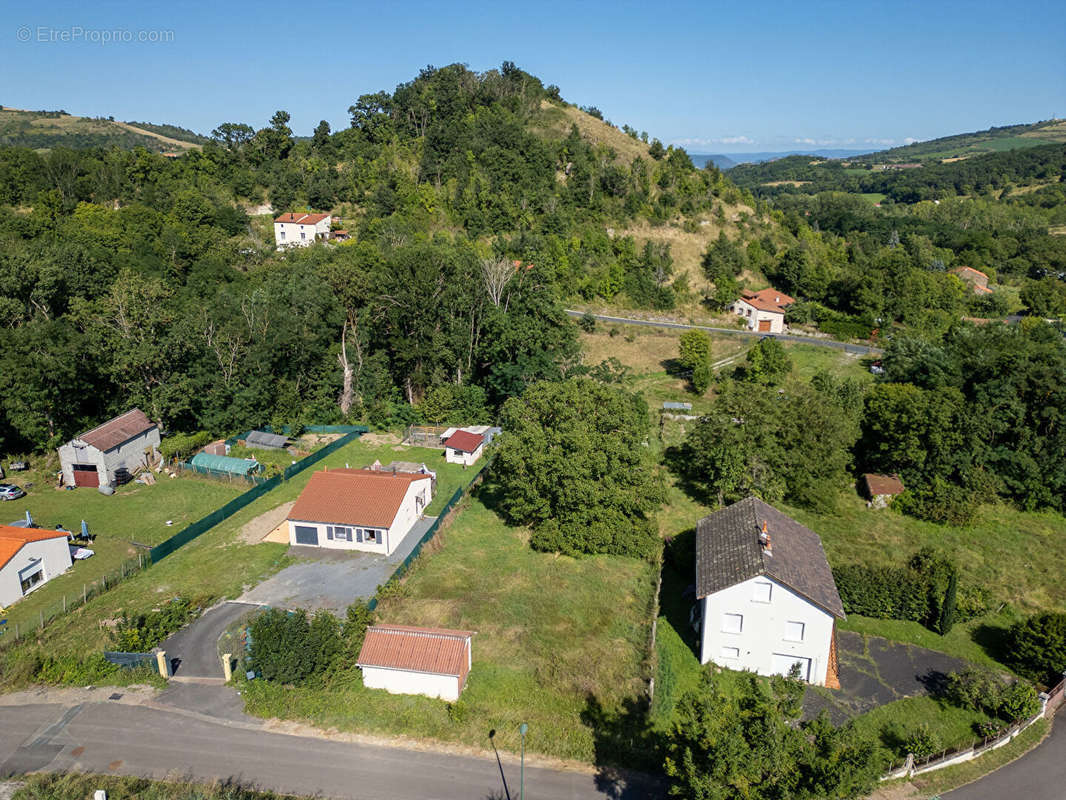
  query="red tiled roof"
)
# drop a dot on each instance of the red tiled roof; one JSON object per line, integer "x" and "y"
{"x": 13, "y": 539}
{"x": 302, "y": 219}
{"x": 883, "y": 484}
{"x": 979, "y": 289}
{"x": 353, "y": 497}
{"x": 118, "y": 430}
{"x": 968, "y": 272}
{"x": 768, "y": 300}
{"x": 465, "y": 441}
{"x": 434, "y": 650}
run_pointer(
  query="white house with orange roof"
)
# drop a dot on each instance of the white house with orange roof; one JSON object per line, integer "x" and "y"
{"x": 764, "y": 311}
{"x": 30, "y": 557}
{"x": 301, "y": 230}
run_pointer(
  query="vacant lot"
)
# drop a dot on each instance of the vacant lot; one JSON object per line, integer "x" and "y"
{"x": 560, "y": 645}
{"x": 134, "y": 514}
{"x": 219, "y": 563}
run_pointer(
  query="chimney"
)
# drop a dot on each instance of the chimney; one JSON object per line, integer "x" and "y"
{"x": 764, "y": 540}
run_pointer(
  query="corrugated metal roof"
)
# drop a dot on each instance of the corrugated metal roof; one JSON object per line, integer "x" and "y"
{"x": 264, "y": 439}
{"x": 434, "y": 650}
{"x": 118, "y": 430}
{"x": 235, "y": 466}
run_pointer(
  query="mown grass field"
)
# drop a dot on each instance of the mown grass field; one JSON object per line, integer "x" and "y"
{"x": 217, "y": 564}
{"x": 560, "y": 645}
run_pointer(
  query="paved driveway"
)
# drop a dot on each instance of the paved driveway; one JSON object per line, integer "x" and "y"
{"x": 874, "y": 671}
{"x": 332, "y": 579}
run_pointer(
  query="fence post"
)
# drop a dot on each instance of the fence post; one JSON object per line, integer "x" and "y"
{"x": 42, "y": 617}
{"x": 64, "y": 603}
{"x": 84, "y": 594}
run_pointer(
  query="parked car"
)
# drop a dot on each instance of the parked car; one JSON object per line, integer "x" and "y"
{"x": 8, "y": 491}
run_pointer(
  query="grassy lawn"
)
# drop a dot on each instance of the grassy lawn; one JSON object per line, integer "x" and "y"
{"x": 873, "y": 197}
{"x": 891, "y": 724}
{"x": 560, "y": 645}
{"x": 135, "y": 513}
{"x": 217, "y": 564}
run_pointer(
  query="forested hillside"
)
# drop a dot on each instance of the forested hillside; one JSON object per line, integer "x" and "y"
{"x": 476, "y": 206}
{"x": 964, "y": 145}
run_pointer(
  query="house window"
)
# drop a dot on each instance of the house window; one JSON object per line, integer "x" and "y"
{"x": 763, "y": 590}
{"x": 31, "y": 576}
{"x": 794, "y": 631}
{"x": 730, "y": 652}
{"x": 368, "y": 536}
{"x": 732, "y": 623}
{"x": 283, "y": 236}
{"x": 303, "y": 236}
{"x": 339, "y": 533}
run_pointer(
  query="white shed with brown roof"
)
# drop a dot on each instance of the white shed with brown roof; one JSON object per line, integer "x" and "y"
{"x": 767, "y": 597}
{"x": 402, "y": 659}
{"x": 129, "y": 441}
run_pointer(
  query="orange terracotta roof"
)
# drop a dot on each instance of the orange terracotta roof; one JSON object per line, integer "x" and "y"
{"x": 979, "y": 289}
{"x": 13, "y": 539}
{"x": 768, "y": 300}
{"x": 433, "y": 650}
{"x": 118, "y": 430}
{"x": 883, "y": 484}
{"x": 465, "y": 441}
{"x": 302, "y": 219}
{"x": 353, "y": 497}
{"x": 968, "y": 272}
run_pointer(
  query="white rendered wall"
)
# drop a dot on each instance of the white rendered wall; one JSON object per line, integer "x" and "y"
{"x": 764, "y": 629}
{"x": 397, "y": 681}
{"x": 55, "y": 555}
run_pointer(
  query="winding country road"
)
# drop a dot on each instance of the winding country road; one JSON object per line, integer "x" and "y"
{"x": 857, "y": 349}
{"x": 1038, "y": 775}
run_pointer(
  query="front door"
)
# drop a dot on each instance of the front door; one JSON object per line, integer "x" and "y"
{"x": 85, "y": 475}
{"x": 764, "y": 326}
{"x": 306, "y": 535}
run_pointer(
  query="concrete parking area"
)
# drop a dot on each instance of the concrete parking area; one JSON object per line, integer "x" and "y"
{"x": 332, "y": 579}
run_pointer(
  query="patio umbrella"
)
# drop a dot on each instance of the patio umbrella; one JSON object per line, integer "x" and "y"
{"x": 29, "y": 520}
{"x": 84, "y": 530}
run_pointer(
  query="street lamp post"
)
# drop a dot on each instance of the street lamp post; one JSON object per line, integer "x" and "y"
{"x": 522, "y": 775}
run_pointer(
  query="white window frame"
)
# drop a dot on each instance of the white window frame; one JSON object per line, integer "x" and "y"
{"x": 729, "y": 617}
{"x": 759, "y": 586}
{"x": 730, "y": 653}
{"x": 32, "y": 571}
{"x": 790, "y": 631}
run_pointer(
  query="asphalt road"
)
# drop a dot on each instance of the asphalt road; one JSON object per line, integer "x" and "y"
{"x": 193, "y": 651}
{"x": 1038, "y": 775}
{"x": 858, "y": 349}
{"x": 143, "y": 741}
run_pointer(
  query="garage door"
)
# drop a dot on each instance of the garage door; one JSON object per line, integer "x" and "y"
{"x": 305, "y": 535}
{"x": 86, "y": 475}
{"x": 782, "y": 664}
{"x": 764, "y": 326}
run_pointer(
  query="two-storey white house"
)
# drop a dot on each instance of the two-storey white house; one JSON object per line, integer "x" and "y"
{"x": 767, "y": 596}
{"x": 301, "y": 230}
{"x": 763, "y": 311}
{"x": 359, "y": 509}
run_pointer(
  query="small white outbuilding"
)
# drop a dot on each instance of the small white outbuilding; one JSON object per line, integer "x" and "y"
{"x": 30, "y": 557}
{"x": 464, "y": 447}
{"x": 402, "y": 659}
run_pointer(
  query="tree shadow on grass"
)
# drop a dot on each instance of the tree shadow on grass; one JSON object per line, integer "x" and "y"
{"x": 624, "y": 736}
{"x": 678, "y": 594}
{"x": 994, "y": 640}
{"x": 676, "y": 459}
{"x": 489, "y": 494}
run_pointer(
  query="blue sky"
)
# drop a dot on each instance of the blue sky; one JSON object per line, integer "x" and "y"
{"x": 714, "y": 77}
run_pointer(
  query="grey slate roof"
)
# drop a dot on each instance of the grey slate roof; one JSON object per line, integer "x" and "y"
{"x": 728, "y": 552}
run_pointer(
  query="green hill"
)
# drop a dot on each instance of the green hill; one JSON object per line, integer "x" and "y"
{"x": 43, "y": 130}
{"x": 964, "y": 145}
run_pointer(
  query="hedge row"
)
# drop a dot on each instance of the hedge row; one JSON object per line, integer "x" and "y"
{"x": 924, "y": 590}
{"x": 846, "y": 328}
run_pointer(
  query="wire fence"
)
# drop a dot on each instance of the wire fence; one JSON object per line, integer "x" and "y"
{"x": 20, "y": 629}
{"x": 188, "y": 466}
{"x": 441, "y": 521}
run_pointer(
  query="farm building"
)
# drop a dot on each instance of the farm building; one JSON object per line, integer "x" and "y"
{"x": 404, "y": 660}
{"x": 301, "y": 230}
{"x": 30, "y": 557}
{"x": 974, "y": 278}
{"x": 225, "y": 465}
{"x": 767, "y": 598}
{"x": 266, "y": 441}
{"x": 121, "y": 445}
{"x": 764, "y": 311}
{"x": 359, "y": 509}
{"x": 463, "y": 447}
{"x": 880, "y": 490}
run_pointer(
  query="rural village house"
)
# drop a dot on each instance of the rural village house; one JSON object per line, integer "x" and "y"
{"x": 29, "y": 557}
{"x": 881, "y": 489}
{"x": 973, "y": 278}
{"x": 764, "y": 310}
{"x": 359, "y": 509}
{"x": 766, "y": 593}
{"x": 403, "y": 660}
{"x": 301, "y": 230}
{"x": 463, "y": 447}
{"x": 127, "y": 442}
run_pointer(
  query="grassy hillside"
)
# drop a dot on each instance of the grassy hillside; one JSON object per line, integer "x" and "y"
{"x": 43, "y": 130}
{"x": 964, "y": 145}
{"x": 556, "y": 120}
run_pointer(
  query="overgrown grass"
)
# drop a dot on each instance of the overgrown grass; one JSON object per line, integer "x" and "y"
{"x": 77, "y": 786}
{"x": 889, "y": 725}
{"x": 560, "y": 645}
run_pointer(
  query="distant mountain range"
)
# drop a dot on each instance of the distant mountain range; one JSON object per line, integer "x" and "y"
{"x": 723, "y": 161}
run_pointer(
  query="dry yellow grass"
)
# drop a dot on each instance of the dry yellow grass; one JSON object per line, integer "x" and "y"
{"x": 788, "y": 183}
{"x": 1055, "y": 132}
{"x": 560, "y": 118}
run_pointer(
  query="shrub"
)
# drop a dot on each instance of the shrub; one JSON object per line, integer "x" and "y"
{"x": 288, "y": 648}
{"x": 985, "y": 691}
{"x": 922, "y": 742}
{"x": 847, "y": 329}
{"x": 1038, "y": 647}
{"x": 139, "y": 633}
{"x": 182, "y": 445}
{"x": 587, "y": 322}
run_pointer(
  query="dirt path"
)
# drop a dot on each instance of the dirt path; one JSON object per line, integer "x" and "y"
{"x": 159, "y": 136}
{"x": 257, "y": 529}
